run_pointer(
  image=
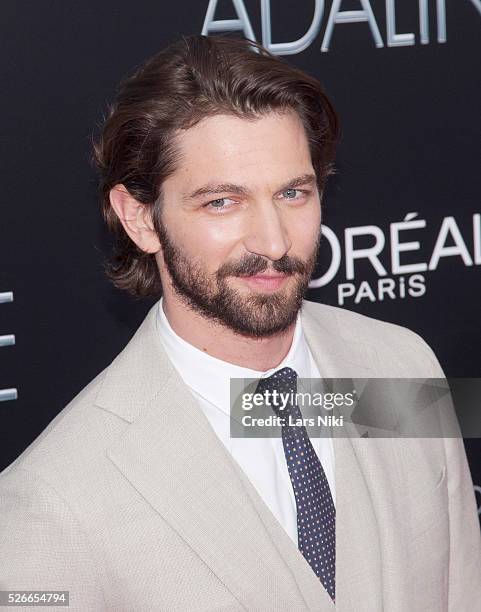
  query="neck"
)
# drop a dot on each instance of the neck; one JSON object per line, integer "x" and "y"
{"x": 217, "y": 340}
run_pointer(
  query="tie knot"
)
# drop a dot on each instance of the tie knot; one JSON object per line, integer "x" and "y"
{"x": 281, "y": 384}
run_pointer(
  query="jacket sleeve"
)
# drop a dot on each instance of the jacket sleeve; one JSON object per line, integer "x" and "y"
{"x": 42, "y": 545}
{"x": 465, "y": 534}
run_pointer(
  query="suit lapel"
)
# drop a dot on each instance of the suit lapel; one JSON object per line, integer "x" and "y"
{"x": 174, "y": 459}
{"x": 181, "y": 469}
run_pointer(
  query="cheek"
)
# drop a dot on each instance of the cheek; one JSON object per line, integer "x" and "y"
{"x": 210, "y": 241}
{"x": 222, "y": 232}
{"x": 305, "y": 230}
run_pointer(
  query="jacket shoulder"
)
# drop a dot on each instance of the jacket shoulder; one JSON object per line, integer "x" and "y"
{"x": 72, "y": 448}
{"x": 384, "y": 337}
{"x": 71, "y": 441}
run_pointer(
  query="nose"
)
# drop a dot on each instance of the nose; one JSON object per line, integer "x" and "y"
{"x": 267, "y": 232}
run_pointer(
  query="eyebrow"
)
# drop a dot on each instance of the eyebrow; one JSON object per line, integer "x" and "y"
{"x": 215, "y": 188}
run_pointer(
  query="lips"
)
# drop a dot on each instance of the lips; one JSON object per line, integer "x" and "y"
{"x": 269, "y": 282}
{"x": 265, "y": 274}
{"x": 268, "y": 276}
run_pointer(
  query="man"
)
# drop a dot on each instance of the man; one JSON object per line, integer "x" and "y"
{"x": 213, "y": 162}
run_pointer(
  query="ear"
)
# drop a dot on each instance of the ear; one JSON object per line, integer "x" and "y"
{"x": 135, "y": 218}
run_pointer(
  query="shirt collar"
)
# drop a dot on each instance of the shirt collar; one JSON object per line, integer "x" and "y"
{"x": 210, "y": 377}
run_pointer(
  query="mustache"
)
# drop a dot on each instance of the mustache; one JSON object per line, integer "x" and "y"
{"x": 251, "y": 265}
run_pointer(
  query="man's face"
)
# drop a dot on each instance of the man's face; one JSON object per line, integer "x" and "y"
{"x": 240, "y": 221}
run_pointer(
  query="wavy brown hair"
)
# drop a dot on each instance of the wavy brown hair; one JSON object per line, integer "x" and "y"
{"x": 193, "y": 78}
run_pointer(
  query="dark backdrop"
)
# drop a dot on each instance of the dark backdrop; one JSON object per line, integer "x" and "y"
{"x": 409, "y": 152}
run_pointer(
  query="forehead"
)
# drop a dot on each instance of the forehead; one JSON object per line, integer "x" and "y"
{"x": 260, "y": 152}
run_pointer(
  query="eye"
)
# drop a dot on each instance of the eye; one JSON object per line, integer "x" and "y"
{"x": 294, "y": 194}
{"x": 219, "y": 204}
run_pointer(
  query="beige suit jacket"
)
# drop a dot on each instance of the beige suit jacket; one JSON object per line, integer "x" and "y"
{"x": 129, "y": 501}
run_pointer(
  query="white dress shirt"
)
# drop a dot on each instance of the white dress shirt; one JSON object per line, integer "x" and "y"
{"x": 262, "y": 459}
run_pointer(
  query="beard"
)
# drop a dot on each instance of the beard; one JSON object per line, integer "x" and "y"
{"x": 256, "y": 315}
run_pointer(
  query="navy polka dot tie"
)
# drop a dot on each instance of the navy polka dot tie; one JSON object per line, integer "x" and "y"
{"x": 316, "y": 514}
